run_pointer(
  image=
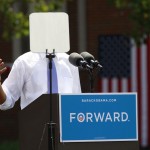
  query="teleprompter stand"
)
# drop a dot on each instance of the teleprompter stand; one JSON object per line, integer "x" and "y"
{"x": 51, "y": 124}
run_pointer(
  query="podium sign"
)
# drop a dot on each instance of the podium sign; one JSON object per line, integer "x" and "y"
{"x": 98, "y": 117}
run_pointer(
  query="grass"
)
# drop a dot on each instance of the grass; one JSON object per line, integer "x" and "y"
{"x": 9, "y": 145}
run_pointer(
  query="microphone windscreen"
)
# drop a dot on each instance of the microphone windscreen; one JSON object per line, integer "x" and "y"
{"x": 87, "y": 56}
{"x": 75, "y": 59}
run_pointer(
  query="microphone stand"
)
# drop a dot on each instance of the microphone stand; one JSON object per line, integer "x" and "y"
{"x": 51, "y": 125}
{"x": 91, "y": 76}
{"x": 91, "y": 80}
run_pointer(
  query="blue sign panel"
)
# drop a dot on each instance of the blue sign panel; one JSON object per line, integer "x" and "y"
{"x": 98, "y": 117}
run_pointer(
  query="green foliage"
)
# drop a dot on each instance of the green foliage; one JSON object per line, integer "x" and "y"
{"x": 9, "y": 145}
{"x": 139, "y": 13}
{"x": 14, "y": 14}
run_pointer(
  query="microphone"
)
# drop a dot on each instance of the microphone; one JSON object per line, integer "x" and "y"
{"x": 91, "y": 60}
{"x": 78, "y": 61}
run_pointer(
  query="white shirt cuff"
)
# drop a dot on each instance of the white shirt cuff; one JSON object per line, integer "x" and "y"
{"x": 5, "y": 105}
{"x": 8, "y": 103}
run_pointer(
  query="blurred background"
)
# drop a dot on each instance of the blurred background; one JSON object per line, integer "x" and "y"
{"x": 116, "y": 32}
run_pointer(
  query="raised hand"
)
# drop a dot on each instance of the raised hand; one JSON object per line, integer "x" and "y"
{"x": 2, "y": 68}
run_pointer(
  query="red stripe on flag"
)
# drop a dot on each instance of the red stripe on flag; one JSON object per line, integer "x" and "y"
{"x": 99, "y": 85}
{"x": 109, "y": 85}
{"x": 148, "y": 85}
{"x": 119, "y": 85}
{"x": 129, "y": 85}
{"x": 139, "y": 89}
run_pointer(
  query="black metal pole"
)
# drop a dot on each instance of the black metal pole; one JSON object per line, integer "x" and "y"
{"x": 91, "y": 76}
{"x": 91, "y": 80}
{"x": 51, "y": 125}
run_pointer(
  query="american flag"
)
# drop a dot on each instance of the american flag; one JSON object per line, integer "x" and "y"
{"x": 126, "y": 68}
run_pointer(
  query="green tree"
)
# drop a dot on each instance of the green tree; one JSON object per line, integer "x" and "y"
{"x": 139, "y": 13}
{"x": 15, "y": 21}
